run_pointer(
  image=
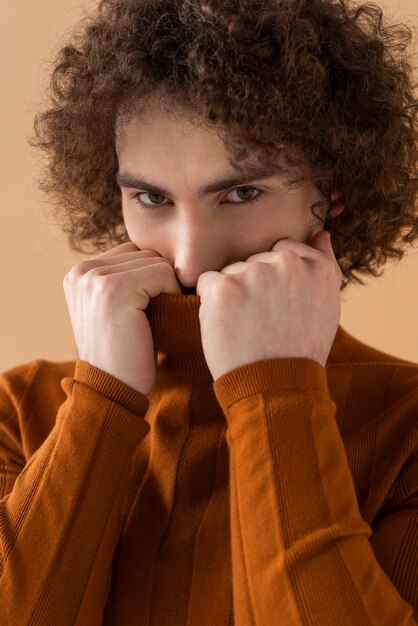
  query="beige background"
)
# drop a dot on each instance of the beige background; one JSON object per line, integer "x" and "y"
{"x": 34, "y": 257}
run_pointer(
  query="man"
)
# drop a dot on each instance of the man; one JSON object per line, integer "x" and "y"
{"x": 223, "y": 452}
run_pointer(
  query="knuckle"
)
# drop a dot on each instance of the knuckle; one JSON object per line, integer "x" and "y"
{"x": 103, "y": 286}
{"x": 288, "y": 256}
{"x": 164, "y": 266}
{"x": 93, "y": 280}
{"x": 88, "y": 278}
{"x": 232, "y": 284}
{"x": 154, "y": 252}
{"x": 262, "y": 268}
{"x": 71, "y": 275}
{"x": 83, "y": 267}
{"x": 259, "y": 265}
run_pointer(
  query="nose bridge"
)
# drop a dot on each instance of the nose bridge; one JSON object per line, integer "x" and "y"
{"x": 197, "y": 248}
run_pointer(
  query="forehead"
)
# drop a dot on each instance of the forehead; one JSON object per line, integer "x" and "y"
{"x": 157, "y": 127}
{"x": 174, "y": 138}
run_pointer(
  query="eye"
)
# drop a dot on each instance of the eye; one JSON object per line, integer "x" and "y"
{"x": 245, "y": 193}
{"x": 137, "y": 198}
{"x": 240, "y": 190}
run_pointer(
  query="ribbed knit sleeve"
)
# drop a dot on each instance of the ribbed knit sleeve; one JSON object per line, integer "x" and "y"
{"x": 301, "y": 553}
{"x": 60, "y": 510}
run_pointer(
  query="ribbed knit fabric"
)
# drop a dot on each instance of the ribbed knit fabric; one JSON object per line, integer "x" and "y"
{"x": 281, "y": 494}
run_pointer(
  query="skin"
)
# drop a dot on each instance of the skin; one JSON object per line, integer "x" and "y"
{"x": 200, "y": 234}
{"x": 284, "y": 303}
{"x": 265, "y": 272}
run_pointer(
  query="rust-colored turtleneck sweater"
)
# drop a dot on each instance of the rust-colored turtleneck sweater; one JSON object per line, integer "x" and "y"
{"x": 281, "y": 494}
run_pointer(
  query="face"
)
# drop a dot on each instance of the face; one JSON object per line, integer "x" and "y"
{"x": 167, "y": 163}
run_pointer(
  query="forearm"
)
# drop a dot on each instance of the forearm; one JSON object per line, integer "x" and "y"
{"x": 61, "y": 521}
{"x": 300, "y": 548}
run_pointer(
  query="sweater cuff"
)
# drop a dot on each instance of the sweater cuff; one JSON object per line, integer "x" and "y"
{"x": 299, "y": 374}
{"x": 110, "y": 387}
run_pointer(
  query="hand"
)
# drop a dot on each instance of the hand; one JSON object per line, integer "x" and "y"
{"x": 279, "y": 304}
{"x": 106, "y": 298}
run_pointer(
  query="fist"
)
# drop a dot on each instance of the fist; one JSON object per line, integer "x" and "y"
{"x": 284, "y": 303}
{"x": 106, "y": 298}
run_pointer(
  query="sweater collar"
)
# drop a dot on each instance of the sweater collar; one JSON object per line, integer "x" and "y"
{"x": 175, "y": 326}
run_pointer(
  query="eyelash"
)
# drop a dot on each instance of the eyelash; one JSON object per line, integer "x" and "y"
{"x": 157, "y": 206}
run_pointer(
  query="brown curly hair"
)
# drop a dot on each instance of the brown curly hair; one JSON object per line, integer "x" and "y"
{"x": 324, "y": 86}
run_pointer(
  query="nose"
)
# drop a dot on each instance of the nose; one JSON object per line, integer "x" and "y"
{"x": 187, "y": 274}
{"x": 191, "y": 263}
{"x": 184, "y": 280}
{"x": 200, "y": 248}
{"x": 187, "y": 281}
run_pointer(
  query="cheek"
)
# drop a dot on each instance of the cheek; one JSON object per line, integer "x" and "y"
{"x": 143, "y": 234}
{"x": 295, "y": 220}
{"x": 133, "y": 223}
{"x": 272, "y": 227}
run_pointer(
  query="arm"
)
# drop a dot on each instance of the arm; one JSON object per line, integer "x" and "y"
{"x": 301, "y": 552}
{"x": 60, "y": 513}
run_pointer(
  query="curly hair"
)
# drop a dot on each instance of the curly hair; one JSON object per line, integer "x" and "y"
{"x": 324, "y": 86}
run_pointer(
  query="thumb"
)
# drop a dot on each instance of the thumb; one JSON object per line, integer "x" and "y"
{"x": 321, "y": 240}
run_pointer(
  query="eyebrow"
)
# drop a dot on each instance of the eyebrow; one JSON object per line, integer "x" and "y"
{"x": 233, "y": 178}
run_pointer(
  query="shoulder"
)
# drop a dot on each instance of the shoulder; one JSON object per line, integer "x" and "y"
{"x": 373, "y": 385}
{"x": 39, "y": 370}
{"x": 30, "y": 397}
{"x": 40, "y": 378}
{"x": 385, "y": 368}
{"x": 351, "y": 349}
{"x": 377, "y": 397}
